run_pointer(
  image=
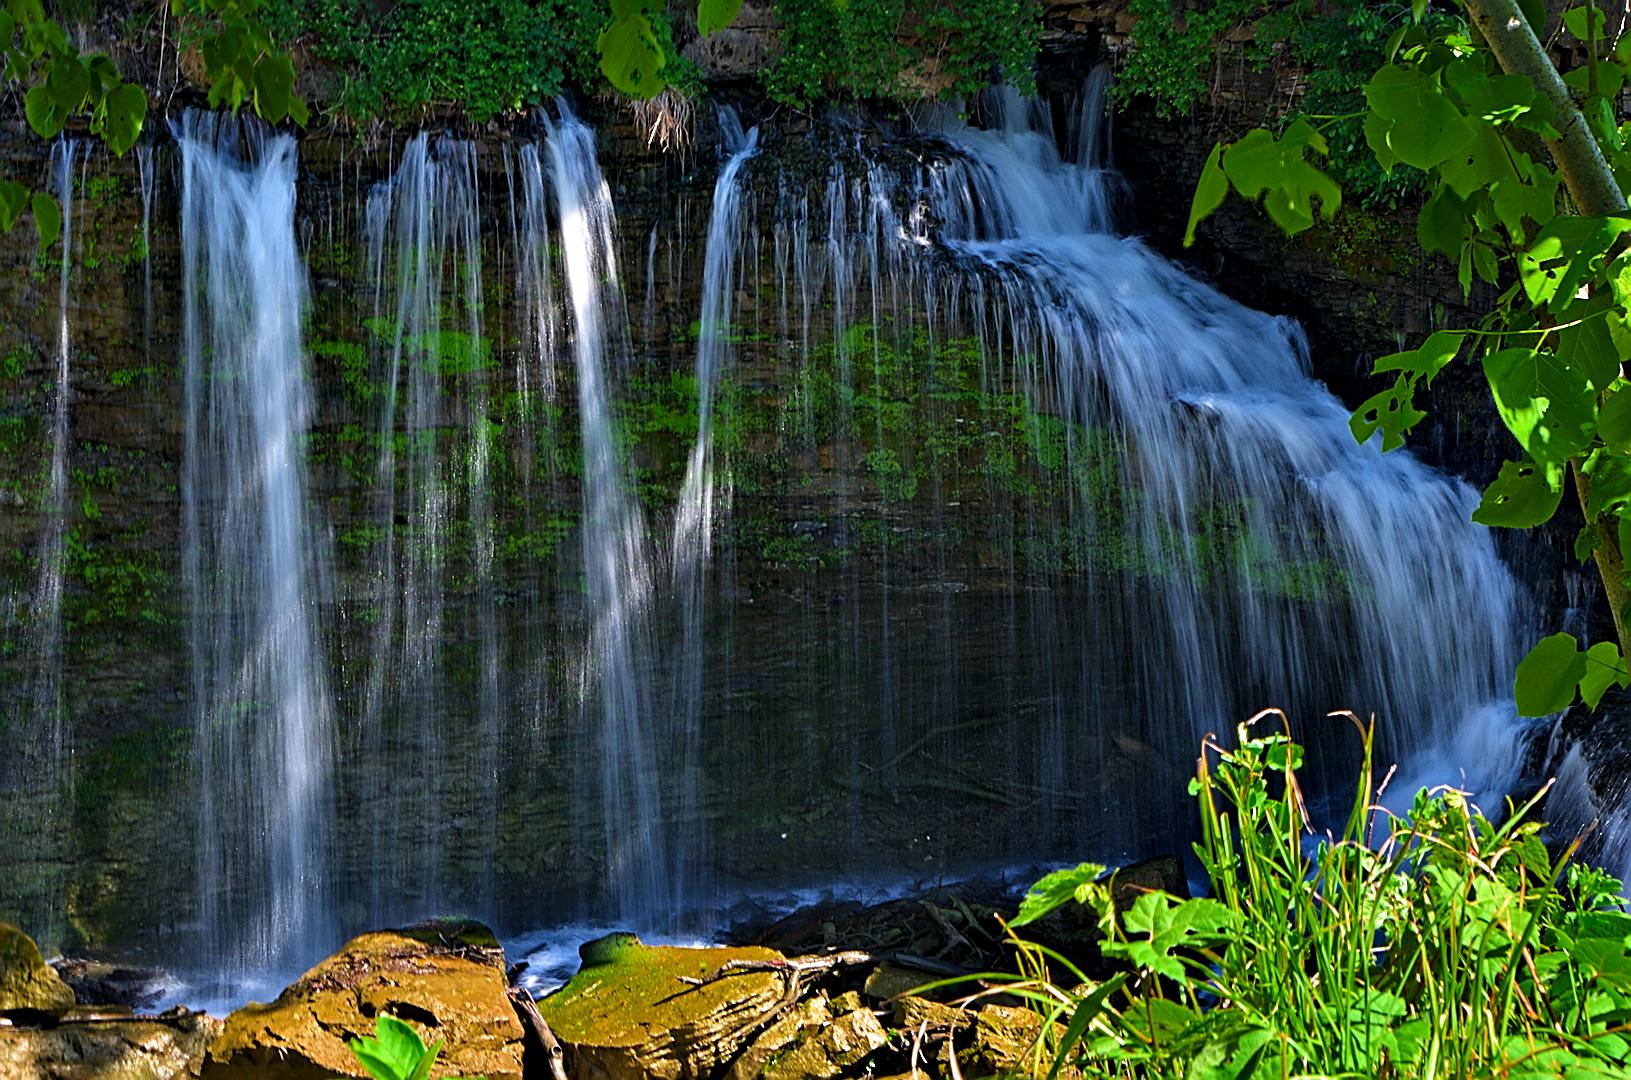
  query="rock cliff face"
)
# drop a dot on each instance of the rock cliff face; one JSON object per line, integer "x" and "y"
{"x": 895, "y": 568}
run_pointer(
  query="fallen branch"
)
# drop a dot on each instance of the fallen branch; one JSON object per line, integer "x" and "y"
{"x": 538, "y": 1030}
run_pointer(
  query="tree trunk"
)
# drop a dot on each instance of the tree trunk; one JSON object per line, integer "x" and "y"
{"x": 1595, "y": 193}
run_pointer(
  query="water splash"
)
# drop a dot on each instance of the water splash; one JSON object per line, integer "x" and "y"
{"x": 261, "y": 703}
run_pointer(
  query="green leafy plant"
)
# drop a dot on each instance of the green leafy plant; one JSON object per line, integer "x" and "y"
{"x": 888, "y": 49}
{"x": 396, "y": 1052}
{"x": 1444, "y": 945}
{"x": 1524, "y": 166}
{"x": 63, "y": 84}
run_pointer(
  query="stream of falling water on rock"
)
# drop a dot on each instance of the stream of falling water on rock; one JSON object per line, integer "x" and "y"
{"x": 252, "y": 561}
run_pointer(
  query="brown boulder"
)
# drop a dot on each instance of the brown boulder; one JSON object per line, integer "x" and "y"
{"x": 446, "y": 979}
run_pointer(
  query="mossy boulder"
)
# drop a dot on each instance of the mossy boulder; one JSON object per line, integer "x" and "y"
{"x": 630, "y": 1012}
{"x": 27, "y": 982}
{"x": 446, "y": 979}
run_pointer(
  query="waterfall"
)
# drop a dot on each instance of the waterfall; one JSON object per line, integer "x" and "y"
{"x": 423, "y": 235}
{"x": 617, "y": 668}
{"x": 693, "y": 535}
{"x": 251, "y": 558}
{"x": 36, "y": 770}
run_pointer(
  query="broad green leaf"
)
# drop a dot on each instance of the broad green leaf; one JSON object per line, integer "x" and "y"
{"x": 1423, "y": 126}
{"x": 1585, "y": 23}
{"x": 715, "y": 15}
{"x": 396, "y": 1050}
{"x": 1392, "y": 412}
{"x": 1585, "y": 343}
{"x": 1614, "y": 420}
{"x": 1547, "y": 677}
{"x": 1524, "y": 495}
{"x": 47, "y": 218}
{"x": 1610, "y": 486}
{"x": 630, "y": 57}
{"x": 1566, "y": 253}
{"x": 1605, "y": 667}
{"x": 69, "y": 82}
{"x": 44, "y": 115}
{"x": 1171, "y": 925}
{"x": 1547, "y": 404}
{"x": 1210, "y": 191}
{"x": 126, "y": 111}
{"x": 274, "y": 87}
{"x": 1426, "y": 361}
{"x": 1610, "y": 78}
{"x": 13, "y": 198}
{"x": 1442, "y": 225}
{"x": 1056, "y": 890}
{"x": 1278, "y": 172}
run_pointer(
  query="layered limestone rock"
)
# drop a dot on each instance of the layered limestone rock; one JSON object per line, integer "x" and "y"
{"x": 94, "y": 1046}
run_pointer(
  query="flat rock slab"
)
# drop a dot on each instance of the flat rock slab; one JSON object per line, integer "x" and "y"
{"x": 447, "y": 980}
{"x": 629, "y": 1011}
{"x": 134, "y": 1048}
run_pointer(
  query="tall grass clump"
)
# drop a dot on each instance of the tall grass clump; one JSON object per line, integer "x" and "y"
{"x": 1441, "y": 945}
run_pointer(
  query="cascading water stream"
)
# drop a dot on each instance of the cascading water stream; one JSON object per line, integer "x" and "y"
{"x": 251, "y": 559}
{"x": 617, "y": 669}
{"x": 693, "y": 536}
{"x": 423, "y": 235}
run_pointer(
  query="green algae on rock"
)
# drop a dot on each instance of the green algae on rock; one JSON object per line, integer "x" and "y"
{"x": 630, "y": 1011}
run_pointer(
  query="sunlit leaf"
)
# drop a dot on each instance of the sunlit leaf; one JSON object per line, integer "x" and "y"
{"x": 1210, "y": 191}
{"x": 1524, "y": 495}
{"x": 1605, "y": 667}
{"x": 714, "y": 15}
{"x": 1393, "y": 412}
{"x": 47, "y": 218}
{"x": 631, "y": 58}
{"x": 1423, "y": 127}
{"x": 1056, "y": 890}
{"x": 1546, "y": 678}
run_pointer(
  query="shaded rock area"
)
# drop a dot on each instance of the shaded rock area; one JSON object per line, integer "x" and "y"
{"x": 45, "y": 1034}
{"x": 133, "y": 988}
{"x": 87, "y": 1044}
{"x": 447, "y": 979}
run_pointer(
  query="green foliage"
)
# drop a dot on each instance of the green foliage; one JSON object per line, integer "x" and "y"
{"x": 488, "y": 56}
{"x": 883, "y": 49}
{"x": 1438, "y": 946}
{"x": 396, "y": 1052}
{"x": 240, "y": 60}
{"x": 1336, "y": 46}
{"x": 1551, "y": 350}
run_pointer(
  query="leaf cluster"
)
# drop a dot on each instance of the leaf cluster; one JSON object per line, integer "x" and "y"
{"x": 1442, "y": 945}
{"x": 240, "y": 60}
{"x": 1552, "y": 348}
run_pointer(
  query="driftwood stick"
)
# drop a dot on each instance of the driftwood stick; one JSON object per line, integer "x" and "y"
{"x": 538, "y": 1029}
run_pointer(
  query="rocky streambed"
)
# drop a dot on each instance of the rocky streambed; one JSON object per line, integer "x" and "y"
{"x": 835, "y": 990}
